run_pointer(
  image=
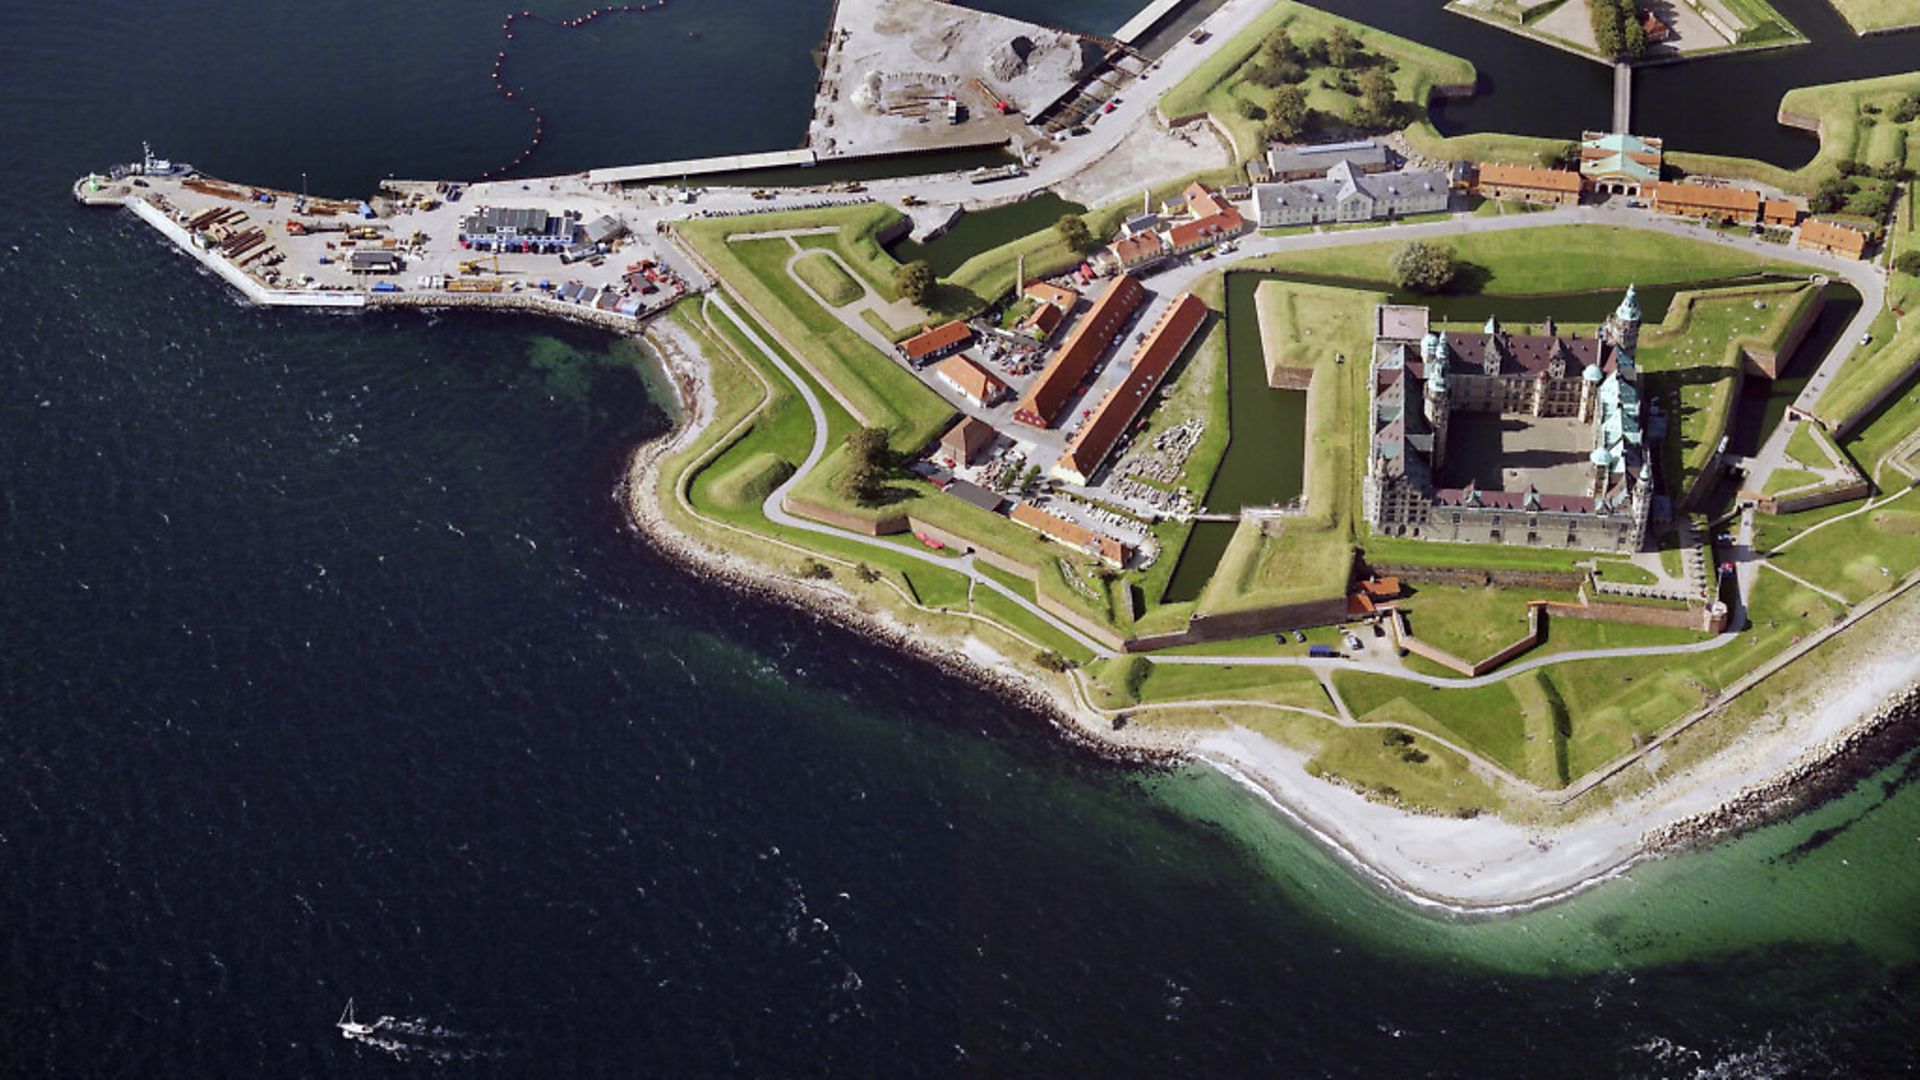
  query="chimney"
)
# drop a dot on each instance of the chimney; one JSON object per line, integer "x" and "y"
{"x": 1020, "y": 275}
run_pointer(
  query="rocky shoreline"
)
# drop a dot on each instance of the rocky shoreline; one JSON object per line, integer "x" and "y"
{"x": 1505, "y": 859}
{"x": 1824, "y": 772}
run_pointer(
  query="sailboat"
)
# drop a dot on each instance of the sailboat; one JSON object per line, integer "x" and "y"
{"x": 351, "y": 1028}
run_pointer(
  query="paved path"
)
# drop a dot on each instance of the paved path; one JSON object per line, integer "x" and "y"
{"x": 778, "y": 514}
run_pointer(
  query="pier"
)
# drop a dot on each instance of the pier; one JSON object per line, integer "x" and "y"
{"x": 1147, "y": 18}
{"x": 669, "y": 170}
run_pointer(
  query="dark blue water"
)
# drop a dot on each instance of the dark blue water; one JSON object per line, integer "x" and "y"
{"x": 329, "y": 670}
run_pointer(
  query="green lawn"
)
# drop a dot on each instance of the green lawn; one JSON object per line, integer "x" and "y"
{"x": 1623, "y": 572}
{"x": 826, "y": 277}
{"x": 1433, "y": 776}
{"x": 1220, "y": 85}
{"x": 1490, "y": 720}
{"x": 1772, "y": 530}
{"x": 1303, "y": 326}
{"x": 1895, "y": 348}
{"x": 1471, "y": 621}
{"x": 1287, "y": 560}
{"x": 1603, "y": 704}
{"x": 1693, "y": 362}
{"x": 1848, "y": 557}
{"x": 1866, "y": 15}
{"x": 1785, "y": 479}
{"x": 1836, "y": 107}
{"x": 1612, "y": 701}
{"x": 1530, "y": 261}
{"x": 1804, "y": 446}
{"x": 882, "y": 392}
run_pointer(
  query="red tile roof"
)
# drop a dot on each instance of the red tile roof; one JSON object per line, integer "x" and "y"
{"x": 973, "y": 380}
{"x": 1048, "y": 293}
{"x": 1210, "y": 229}
{"x": 1780, "y": 211}
{"x": 946, "y": 336}
{"x": 1529, "y": 176}
{"x": 1075, "y": 536}
{"x": 1135, "y": 250}
{"x": 1091, "y": 336}
{"x": 1046, "y": 319}
{"x": 967, "y": 438}
{"x": 1699, "y": 198}
{"x": 1157, "y": 352}
{"x": 1827, "y": 234}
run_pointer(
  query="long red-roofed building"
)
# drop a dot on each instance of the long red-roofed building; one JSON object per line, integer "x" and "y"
{"x": 1157, "y": 352}
{"x": 1090, "y": 338}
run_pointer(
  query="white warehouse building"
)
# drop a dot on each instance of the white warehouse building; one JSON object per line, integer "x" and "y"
{"x": 1347, "y": 194}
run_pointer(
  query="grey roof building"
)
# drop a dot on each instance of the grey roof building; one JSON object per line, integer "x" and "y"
{"x": 1348, "y": 194}
{"x": 1302, "y": 162}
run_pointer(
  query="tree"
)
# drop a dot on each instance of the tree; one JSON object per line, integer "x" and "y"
{"x": 1249, "y": 110}
{"x": 868, "y": 444}
{"x": 1342, "y": 48}
{"x": 1421, "y": 266}
{"x": 1829, "y": 197}
{"x": 1633, "y": 36}
{"x": 1289, "y": 116}
{"x": 1279, "y": 46}
{"x": 1609, "y": 20}
{"x": 1378, "y": 107}
{"x": 914, "y": 281}
{"x": 1908, "y": 262}
{"x": 862, "y": 482}
{"x": 1073, "y": 229}
{"x": 1907, "y": 109}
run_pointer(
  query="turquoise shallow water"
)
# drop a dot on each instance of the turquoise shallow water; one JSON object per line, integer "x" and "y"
{"x": 330, "y": 670}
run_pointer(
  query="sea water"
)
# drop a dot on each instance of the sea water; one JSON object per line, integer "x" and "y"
{"x": 330, "y": 670}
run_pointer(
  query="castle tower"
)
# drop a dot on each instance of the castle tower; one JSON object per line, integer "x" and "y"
{"x": 1590, "y": 380}
{"x": 1623, "y": 326}
{"x": 1434, "y": 349}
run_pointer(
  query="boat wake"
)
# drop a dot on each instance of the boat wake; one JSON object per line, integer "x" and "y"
{"x": 417, "y": 1039}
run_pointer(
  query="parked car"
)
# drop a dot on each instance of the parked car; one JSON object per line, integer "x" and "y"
{"x": 1299, "y": 635}
{"x": 1353, "y": 642}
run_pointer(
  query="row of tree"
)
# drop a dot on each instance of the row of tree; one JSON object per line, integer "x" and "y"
{"x": 1616, "y": 28}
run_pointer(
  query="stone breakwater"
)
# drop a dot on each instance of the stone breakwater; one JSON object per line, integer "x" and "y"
{"x": 640, "y": 493}
{"x": 518, "y": 302}
{"x": 1823, "y": 772}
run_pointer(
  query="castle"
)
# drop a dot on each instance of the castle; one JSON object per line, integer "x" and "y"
{"x": 1530, "y": 440}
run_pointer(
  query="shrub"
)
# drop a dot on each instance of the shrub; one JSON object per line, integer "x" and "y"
{"x": 1908, "y": 262}
{"x": 1053, "y": 661}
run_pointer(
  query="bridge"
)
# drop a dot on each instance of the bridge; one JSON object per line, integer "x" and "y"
{"x": 1622, "y": 96}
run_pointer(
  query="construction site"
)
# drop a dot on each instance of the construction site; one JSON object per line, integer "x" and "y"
{"x": 920, "y": 75}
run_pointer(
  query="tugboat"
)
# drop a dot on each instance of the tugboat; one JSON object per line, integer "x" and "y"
{"x": 153, "y": 166}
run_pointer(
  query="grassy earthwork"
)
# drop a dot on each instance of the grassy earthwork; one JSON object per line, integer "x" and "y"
{"x": 1221, "y": 88}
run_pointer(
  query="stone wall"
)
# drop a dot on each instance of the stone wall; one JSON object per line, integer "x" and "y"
{"x": 1858, "y": 488}
{"x": 1239, "y": 624}
{"x": 1404, "y": 636}
{"x": 841, "y": 519}
{"x": 1691, "y": 617}
{"x": 1771, "y": 362}
{"x": 1456, "y": 575}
